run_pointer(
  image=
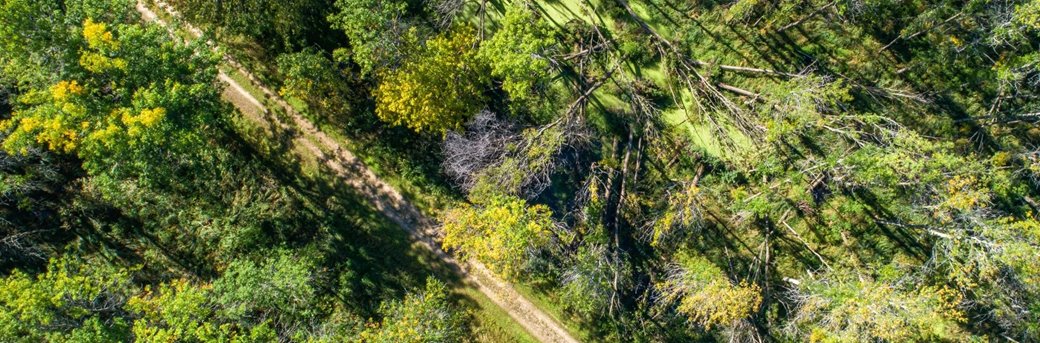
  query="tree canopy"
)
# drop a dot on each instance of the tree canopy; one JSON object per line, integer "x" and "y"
{"x": 437, "y": 89}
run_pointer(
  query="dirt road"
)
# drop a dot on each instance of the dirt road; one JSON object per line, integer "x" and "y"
{"x": 387, "y": 199}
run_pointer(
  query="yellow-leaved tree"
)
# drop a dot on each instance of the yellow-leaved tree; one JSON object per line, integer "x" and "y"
{"x": 438, "y": 88}
{"x": 502, "y": 231}
{"x": 706, "y": 295}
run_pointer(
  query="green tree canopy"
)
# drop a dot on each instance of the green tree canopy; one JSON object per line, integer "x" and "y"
{"x": 72, "y": 301}
{"x": 426, "y": 316}
{"x": 378, "y": 32}
{"x": 519, "y": 53}
{"x": 278, "y": 289}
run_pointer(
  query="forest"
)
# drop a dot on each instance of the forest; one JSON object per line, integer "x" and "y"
{"x": 519, "y": 170}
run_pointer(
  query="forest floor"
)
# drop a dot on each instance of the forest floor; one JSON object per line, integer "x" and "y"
{"x": 387, "y": 200}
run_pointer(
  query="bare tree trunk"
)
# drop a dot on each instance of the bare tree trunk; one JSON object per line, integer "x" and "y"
{"x": 483, "y": 13}
{"x": 621, "y": 192}
{"x": 741, "y": 91}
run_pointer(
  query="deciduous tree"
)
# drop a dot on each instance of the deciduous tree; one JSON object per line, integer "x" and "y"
{"x": 378, "y": 31}
{"x": 438, "y": 88}
{"x": 422, "y": 316}
{"x": 501, "y": 232}
{"x": 520, "y": 54}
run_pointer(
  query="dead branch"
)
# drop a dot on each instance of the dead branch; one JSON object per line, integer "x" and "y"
{"x": 807, "y": 17}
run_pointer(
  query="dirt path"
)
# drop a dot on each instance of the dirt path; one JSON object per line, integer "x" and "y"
{"x": 391, "y": 203}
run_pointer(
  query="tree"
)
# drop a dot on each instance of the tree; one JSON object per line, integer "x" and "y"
{"x": 706, "y": 296}
{"x": 520, "y": 54}
{"x": 33, "y": 197}
{"x": 496, "y": 156}
{"x": 72, "y": 301}
{"x": 138, "y": 119}
{"x": 135, "y": 99}
{"x": 179, "y": 311}
{"x": 480, "y": 145}
{"x": 378, "y": 31}
{"x": 37, "y": 46}
{"x": 314, "y": 78}
{"x": 501, "y": 232}
{"x": 277, "y": 291}
{"x": 92, "y": 301}
{"x": 588, "y": 286}
{"x": 425, "y": 316}
{"x": 436, "y": 90}
{"x": 278, "y": 25}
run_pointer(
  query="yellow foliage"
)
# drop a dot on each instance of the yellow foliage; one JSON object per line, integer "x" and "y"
{"x": 707, "y": 296}
{"x": 99, "y": 63}
{"x": 436, "y": 90}
{"x": 1001, "y": 159}
{"x": 147, "y": 118}
{"x": 102, "y": 42}
{"x": 98, "y": 36}
{"x": 963, "y": 193}
{"x": 62, "y": 90}
{"x": 721, "y": 303}
{"x": 51, "y": 132}
{"x": 107, "y": 135}
{"x": 855, "y": 311}
{"x": 682, "y": 211}
{"x": 61, "y": 125}
{"x": 499, "y": 234}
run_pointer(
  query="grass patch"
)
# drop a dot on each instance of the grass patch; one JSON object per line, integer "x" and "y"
{"x": 243, "y": 81}
{"x": 491, "y": 323}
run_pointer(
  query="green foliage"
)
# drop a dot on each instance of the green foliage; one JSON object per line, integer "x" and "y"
{"x": 437, "y": 89}
{"x": 588, "y": 286}
{"x": 850, "y": 309}
{"x": 177, "y": 312}
{"x": 83, "y": 301}
{"x": 425, "y": 316}
{"x": 798, "y": 106}
{"x": 181, "y": 312}
{"x": 501, "y": 232}
{"x": 315, "y": 79}
{"x": 35, "y": 36}
{"x": 118, "y": 146}
{"x": 764, "y": 170}
{"x": 136, "y": 100}
{"x": 278, "y": 289}
{"x": 519, "y": 54}
{"x": 376, "y": 30}
{"x": 282, "y": 25}
{"x": 73, "y": 301}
